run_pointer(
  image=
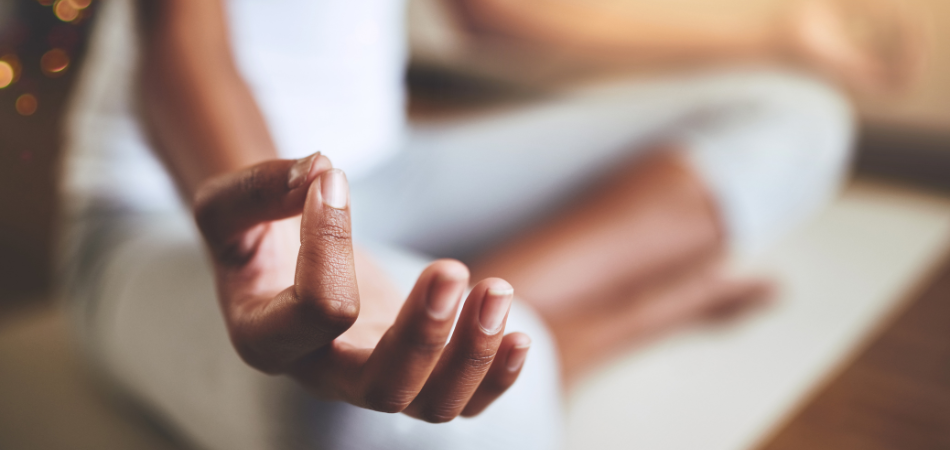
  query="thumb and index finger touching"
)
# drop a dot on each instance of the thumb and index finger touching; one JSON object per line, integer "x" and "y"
{"x": 228, "y": 206}
{"x": 276, "y": 334}
{"x": 234, "y": 209}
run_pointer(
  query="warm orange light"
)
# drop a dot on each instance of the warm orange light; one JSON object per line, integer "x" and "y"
{"x": 80, "y": 4}
{"x": 54, "y": 62}
{"x": 26, "y": 104}
{"x": 6, "y": 74}
{"x": 65, "y": 10}
{"x": 14, "y": 63}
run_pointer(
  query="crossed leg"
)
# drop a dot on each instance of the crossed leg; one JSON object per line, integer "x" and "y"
{"x": 633, "y": 253}
{"x": 642, "y": 255}
{"x": 166, "y": 344}
{"x": 651, "y": 217}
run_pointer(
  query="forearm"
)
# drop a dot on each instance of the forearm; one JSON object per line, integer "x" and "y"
{"x": 199, "y": 111}
{"x": 598, "y": 29}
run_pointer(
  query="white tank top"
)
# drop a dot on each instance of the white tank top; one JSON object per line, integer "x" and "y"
{"x": 327, "y": 75}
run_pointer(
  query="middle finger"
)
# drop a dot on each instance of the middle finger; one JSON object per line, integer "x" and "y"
{"x": 407, "y": 353}
{"x": 467, "y": 358}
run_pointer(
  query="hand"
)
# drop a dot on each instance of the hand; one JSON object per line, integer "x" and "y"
{"x": 872, "y": 45}
{"x": 307, "y": 319}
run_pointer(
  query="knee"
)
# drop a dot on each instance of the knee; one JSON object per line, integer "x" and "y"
{"x": 786, "y": 155}
{"x": 819, "y": 118}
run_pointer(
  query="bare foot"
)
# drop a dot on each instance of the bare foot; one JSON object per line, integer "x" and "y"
{"x": 587, "y": 339}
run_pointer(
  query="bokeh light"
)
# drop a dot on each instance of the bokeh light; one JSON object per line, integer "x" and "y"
{"x": 26, "y": 104}
{"x": 6, "y": 74}
{"x": 14, "y": 63}
{"x": 54, "y": 62}
{"x": 80, "y": 4}
{"x": 65, "y": 10}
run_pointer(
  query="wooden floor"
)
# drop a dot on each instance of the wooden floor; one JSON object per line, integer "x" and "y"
{"x": 895, "y": 396}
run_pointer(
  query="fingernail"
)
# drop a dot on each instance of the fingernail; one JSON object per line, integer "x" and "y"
{"x": 516, "y": 357}
{"x": 301, "y": 171}
{"x": 443, "y": 296}
{"x": 335, "y": 189}
{"x": 494, "y": 309}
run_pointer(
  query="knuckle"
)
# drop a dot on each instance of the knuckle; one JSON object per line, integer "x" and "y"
{"x": 388, "y": 401}
{"x": 251, "y": 185}
{"x": 438, "y": 414}
{"x": 480, "y": 358}
{"x": 425, "y": 342}
{"x": 334, "y": 232}
{"x": 334, "y": 315}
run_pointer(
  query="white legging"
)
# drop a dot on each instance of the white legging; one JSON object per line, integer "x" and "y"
{"x": 771, "y": 148}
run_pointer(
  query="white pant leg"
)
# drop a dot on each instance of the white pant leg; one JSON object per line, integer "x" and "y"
{"x": 771, "y": 146}
{"x": 780, "y": 152}
{"x": 157, "y": 332}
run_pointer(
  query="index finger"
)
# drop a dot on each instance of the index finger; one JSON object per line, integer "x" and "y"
{"x": 227, "y": 206}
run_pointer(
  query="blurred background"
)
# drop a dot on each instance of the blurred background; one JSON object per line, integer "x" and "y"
{"x": 886, "y": 385}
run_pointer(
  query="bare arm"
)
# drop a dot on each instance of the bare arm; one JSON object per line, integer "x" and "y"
{"x": 278, "y": 233}
{"x": 199, "y": 111}
{"x": 648, "y": 32}
{"x": 874, "y": 45}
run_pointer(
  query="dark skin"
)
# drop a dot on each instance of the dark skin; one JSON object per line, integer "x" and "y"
{"x": 298, "y": 299}
{"x": 271, "y": 252}
{"x": 284, "y": 262}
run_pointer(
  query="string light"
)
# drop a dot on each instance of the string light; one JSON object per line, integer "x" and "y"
{"x": 14, "y": 63}
{"x": 6, "y": 74}
{"x": 54, "y": 62}
{"x": 26, "y": 104}
{"x": 65, "y": 10}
